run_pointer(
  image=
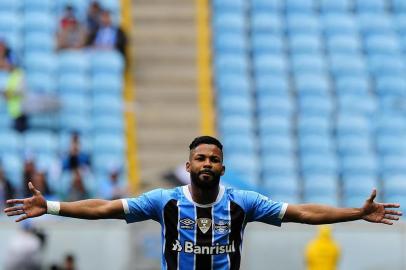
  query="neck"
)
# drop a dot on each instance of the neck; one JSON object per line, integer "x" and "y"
{"x": 203, "y": 195}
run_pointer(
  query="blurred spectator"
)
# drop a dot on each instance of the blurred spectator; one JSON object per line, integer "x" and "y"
{"x": 69, "y": 263}
{"x": 68, "y": 17}
{"x": 71, "y": 34}
{"x": 29, "y": 171}
{"x": 108, "y": 36}
{"x": 24, "y": 250}
{"x": 6, "y": 189}
{"x": 76, "y": 158}
{"x": 93, "y": 17}
{"x": 5, "y": 56}
{"x": 40, "y": 182}
{"x": 77, "y": 190}
{"x": 13, "y": 93}
{"x": 114, "y": 188}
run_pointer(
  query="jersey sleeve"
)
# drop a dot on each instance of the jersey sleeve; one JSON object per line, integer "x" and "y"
{"x": 263, "y": 209}
{"x": 146, "y": 206}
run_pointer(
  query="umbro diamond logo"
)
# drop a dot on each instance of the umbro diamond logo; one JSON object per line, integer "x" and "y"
{"x": 187, "y": 223}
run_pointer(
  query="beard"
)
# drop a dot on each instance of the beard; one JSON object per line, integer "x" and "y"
{"x": 197, "y": 180}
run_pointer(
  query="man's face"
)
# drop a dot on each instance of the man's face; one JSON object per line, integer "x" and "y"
{"x": 205, "y": 165}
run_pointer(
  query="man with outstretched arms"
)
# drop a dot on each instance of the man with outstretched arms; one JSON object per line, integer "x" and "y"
{"x": 203, "y": 222}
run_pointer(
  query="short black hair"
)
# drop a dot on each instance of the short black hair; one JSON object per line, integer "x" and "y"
{"x": 205, "y": 140}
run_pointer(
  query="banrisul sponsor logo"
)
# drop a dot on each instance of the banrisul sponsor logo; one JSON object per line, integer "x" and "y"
{"x": 204, "y": 224}
{"x": 187, "y": 223}
{"x": 190, "y": 247}
{"x": 222, "y": 226}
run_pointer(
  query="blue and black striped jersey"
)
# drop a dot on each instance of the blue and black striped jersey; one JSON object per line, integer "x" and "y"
{"x": 202, "y": 237}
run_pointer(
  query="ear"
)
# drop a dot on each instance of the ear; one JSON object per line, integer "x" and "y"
{"x": 223, "y": 171}
{"x": 188, "y": 166}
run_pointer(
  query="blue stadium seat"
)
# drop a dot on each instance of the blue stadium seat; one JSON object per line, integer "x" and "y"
{"x": 267, "y": 5}
{"x": 107, "y": 83}
{"x": 399, "y": 21}
{"x": 267, "y": 43}
{"x": 111, "y": 5}
{"x": 108, "y": 143}
{"x": 312, "y": 85}
{"x": 303, "y": 23}
{"x": 41, "y": 142}
{"x": 10, "y": 142}
{"x": 278, "y": 164}
{"x": 363, "y": 164}
{"x": 9, "y": 22}
{"x": 352, "y": 124}
{"x": 265, "y": 22}
{"x": 346, "y": 64}
{"x": 302, "y": 6}
{"x": 235, "y": 125}
{"x": 231, "y": 84}
{"x": 313, "y": 124}
{"x": 107, "y": 103}
{"x": 316, "y": 144}
{"x": 384, "y": 64}
{"x": 384, "y": 44}
{"x": 395, "y": 185}
{"x": 353, "y": 84}
{"x": 352, "y": 103}
{"x": 358, "y": 185}
{"x": 389, "y": 85}
{"x": 74, "y": 103}
{"x": 39, "y": 21}
{"x": 311, "y": 104}
{"x": 281, "y": 187}
{"x": 277, "y": 144}
{"x": 39, "y": 5}
{"x": 230, "y": 43}
{"x": 354, "y": 144}
{"x": 354, "y": 201}
{"x": 389, "y": 123}
{"x": 344, "y": 44}
{"x": 73, "y": 83}
{"x": 336, "y": 6}
{"x": 398, "y": 5}
{"x": 373, "y": 23}
{"x": 281, "y": 125}
{"x": 235, "y": 106}
{"x": 391, "y": 143}
{"x": 13, "y": 167}
{"x": 79, "y": 121}
{"x": 39, "y": 42}
{"x": 102, "y": 162}
{"x": 106, "y": 122}
{"x": 270, "y": 63}
{"x": 275, "y": 106}
{"x": 370, "y": 6}
{"x": 393, "y": 164}
{"x": 319, "y": 184}
{"x": 86, "y": 142}
{"x": 305, "y": 43}
{"x": 326, "y": 199}
{"x": 41, "y": 82}
{"x": 245, "y": 165}
{"x": 304, "y": 62}
{"x": 41, "y": 62}
{"x": 240, "y": 144}
{"x": 231, "y": 63}
{"x": 317, "y": 164}
{"x": 336, "y": 23}
{"x": 11, "y": 6}
{"x": 231, "y": 22}
{"x": 107, "y": 62}
{"x": 225, "y": 5}
{"x": 271, "y": 85}
{"x": 73, "y": 62}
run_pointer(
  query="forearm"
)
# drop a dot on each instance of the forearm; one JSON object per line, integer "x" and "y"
{"x": 90, "y": 209}
{"x": 323, "y": 214}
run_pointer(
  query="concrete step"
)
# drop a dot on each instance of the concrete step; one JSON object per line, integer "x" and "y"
{"x": 150, "y": 94}
{"x": 164, "y": 12}
{"x": 164, "y": 34}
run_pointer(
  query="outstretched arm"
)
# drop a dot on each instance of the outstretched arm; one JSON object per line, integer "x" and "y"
{"x": 322, "y": 214}
{"x": 87, "y": 209}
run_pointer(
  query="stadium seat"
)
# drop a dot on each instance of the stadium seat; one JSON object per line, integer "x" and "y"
{"x": 245, "y": 165}
{"x": 9, "y": 22}
{"x": 13, "y": 166}
{"x": 312, "y": 85}
{"x": 64, "y": 138}
{"x": 39, "y": 21}
{"x": 267, "y": 5}
{"x": 362, "y": 164}
{"x": 344, "y": 44}
{"x": 267, "y": 43}
{"x": 235, "y": 125}
{"x": 79, "y": 121}
{"x": 305, "y": 43}
{"x": 73, "y": 62}
{"x": 41, "y": 62}
{"x": 10, "y": 142}
{"x": 74, "y": 103}
{"x": 302, "y": 23}
{"x": 107, "y": 103}
{"x": 275, "y": 125}
{"x": 232, "y": 63}
{"x": 230, "y": 43}
{"x": 231, "y": 22}
{"x": 317, "y": 164}
{"x": 41, "y": 142}
{"x": 106, "y": 122}
{"x": 336, "y": 23}
{"x": 370, "y": 6}
{"x": 315, "y": 185}
{"x": 39, "y": 5}
{"x": 316, "y": 144}
{"x": 108, "y": 143}
{"x": 313, "y": 124}
{"x": 346, "y": 64}
{"x": 374, "y": 23}
{"x": 270, "y": 64}
{"x": 107, "y": 62}
{"x": 277, "y": 144}
{"x": 393, "y": 164}
{"x": 224, "y": 5}
{"x": 311, "y": 105}
{"x": 353, "y": 84}
{"x": 39, "y": 42}
{"x": 41, "y": 82}
{"x": 352, "y": 124}
{"x": 384, "y": 44}
{"x": 366, "y": 105}
{"x": 278, "y": 164}
{"x": 106, "y": 83}
{"x": 275, "y": 106}
{"x": 391, "y": 85}
{"x": 302, "y": 6}
{"x": 265, "y": 22}
{"x": 231, "y": 84}
{"x": 235, "y": 106}
{"x": 354, "y": 144}
{"x": 395, "y": 185}
{"x": 391, "y": 143}
{"x": 239, "y": 144}
{"x": 304, "y": 62}
{"x": 336, "y": 6}
{"x": 73, "y": 83}
{"x": 382, "y": 64}
{"x": 358, "y": 185}
{"x": 10, "y": 6}
{"x": 271, "y": 85}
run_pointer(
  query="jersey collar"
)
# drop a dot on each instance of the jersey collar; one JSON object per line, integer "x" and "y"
{"x": 188, "y": 196}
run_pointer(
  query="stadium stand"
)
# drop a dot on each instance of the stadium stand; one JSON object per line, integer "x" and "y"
{"x": 87, "y": 83}
{"x": 326, "y": 81}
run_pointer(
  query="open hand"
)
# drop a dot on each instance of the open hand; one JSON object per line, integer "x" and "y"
{"x": 378, "y": 212}
{"x": 28, "y": 208}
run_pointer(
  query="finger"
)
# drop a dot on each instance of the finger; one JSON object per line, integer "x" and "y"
{"x": 391, "y": 205}
{"x": 15, "y": 213}
{"x": 393, "y": 212}
{"x": 32, "y": 189}
{"x": 15, "y": 201}
{"x": 22, "y": 218}
{"x": 387, "y": 222}
{"x": 391, "y": 217}
{"x": 373, "y": 195}
{"x": 15, "y": 208}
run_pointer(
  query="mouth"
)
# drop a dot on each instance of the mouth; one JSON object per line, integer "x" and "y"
{"x": 206, "y": 172}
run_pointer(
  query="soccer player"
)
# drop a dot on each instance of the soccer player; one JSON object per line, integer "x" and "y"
{"x": 203, "y": 222}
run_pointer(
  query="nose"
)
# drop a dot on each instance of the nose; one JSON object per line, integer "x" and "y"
{"x": 207, "y": 163}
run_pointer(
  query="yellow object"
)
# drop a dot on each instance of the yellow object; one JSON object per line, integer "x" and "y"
{"x": 204, "y": 76}
{"x": 323, "y": 252}
{"x": 133, "y": 169}
{"x": 14, "y": 93}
